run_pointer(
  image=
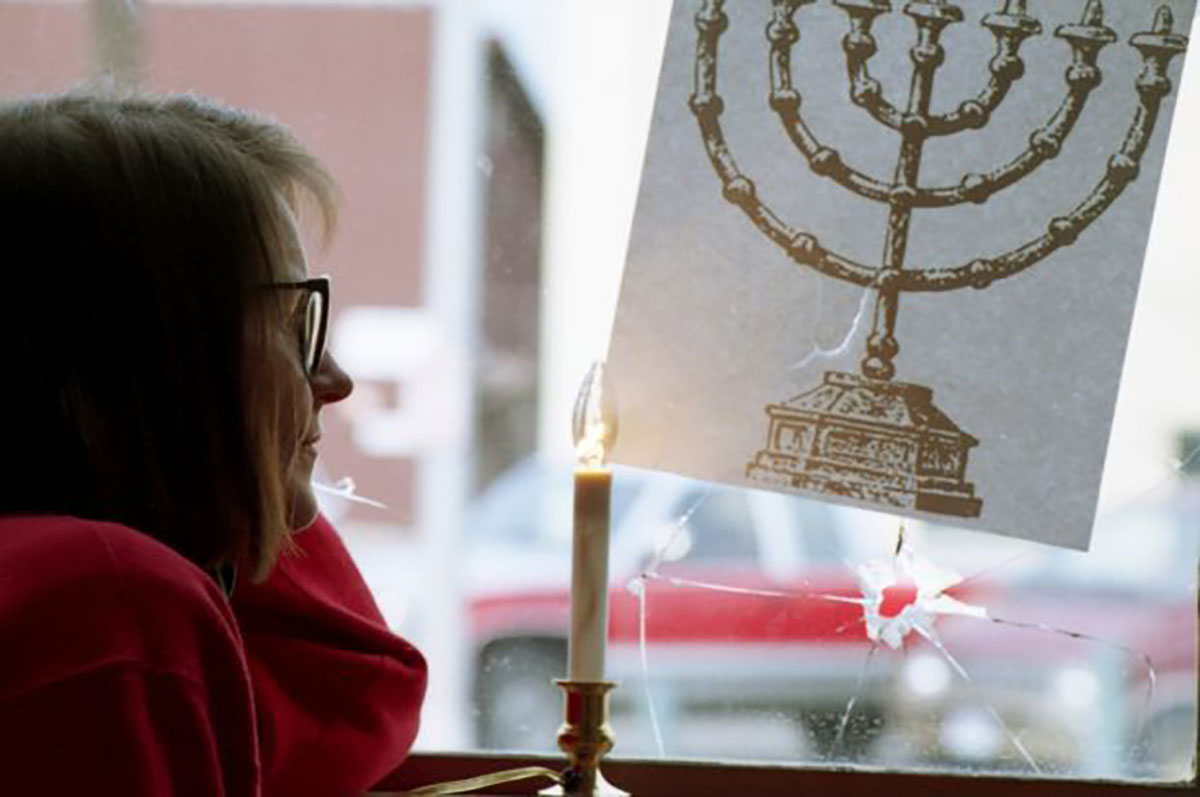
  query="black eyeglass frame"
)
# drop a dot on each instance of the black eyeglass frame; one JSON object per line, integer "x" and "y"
{"x": 320, "y": 286}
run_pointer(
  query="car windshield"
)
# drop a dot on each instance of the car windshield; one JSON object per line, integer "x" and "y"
{"x": 1148, "y": 550}
{"x": 530, "y": 505}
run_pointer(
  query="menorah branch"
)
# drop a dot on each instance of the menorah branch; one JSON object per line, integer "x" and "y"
{"x": 927, "y": 56}
{"x": 783, "y": 34}
{"x": 1062, "y": 231}
{"x": 1158, "y": 47}
{"x": 1086, "y": 38}
{"x": 707, "y": 106}
{"x": 1082, "y": 76}
{"x": 1010, "y": 29}
{"x": 859, "y": 46}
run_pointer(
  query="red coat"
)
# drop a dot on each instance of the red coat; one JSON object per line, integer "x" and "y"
{"x": 124, "y": 672}
{"x": 339, "y": 696}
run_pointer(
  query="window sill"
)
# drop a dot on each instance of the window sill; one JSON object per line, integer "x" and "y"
{"x": 650, "y": 778}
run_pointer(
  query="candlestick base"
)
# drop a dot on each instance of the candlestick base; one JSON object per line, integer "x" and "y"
{"x": 585, "y": 736}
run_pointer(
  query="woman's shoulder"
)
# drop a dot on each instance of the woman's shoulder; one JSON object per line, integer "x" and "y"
{"x": 81, "y": 552}
{"x": 122, "y": 666}
{"x": 77, "y": 593}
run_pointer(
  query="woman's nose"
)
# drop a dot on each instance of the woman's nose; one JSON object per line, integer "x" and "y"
{"x": 330, "y": 384}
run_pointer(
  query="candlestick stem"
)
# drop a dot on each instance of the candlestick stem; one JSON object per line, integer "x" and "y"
{"x": 586, "y": 737}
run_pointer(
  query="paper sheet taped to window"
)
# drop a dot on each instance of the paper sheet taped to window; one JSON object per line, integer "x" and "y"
{"x": 887, "y": 255}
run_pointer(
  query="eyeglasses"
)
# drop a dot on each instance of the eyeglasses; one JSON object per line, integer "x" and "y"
{"x": 315, "y": 321}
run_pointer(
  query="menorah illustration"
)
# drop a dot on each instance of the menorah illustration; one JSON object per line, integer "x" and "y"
{"x": 865, "y": 436}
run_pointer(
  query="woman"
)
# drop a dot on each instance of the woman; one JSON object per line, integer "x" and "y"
{"x": 166, "y": 375}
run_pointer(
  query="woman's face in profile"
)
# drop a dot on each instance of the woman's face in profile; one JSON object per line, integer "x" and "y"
{"x": 302, "y": 395}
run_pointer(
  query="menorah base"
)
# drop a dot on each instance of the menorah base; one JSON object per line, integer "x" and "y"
{"x": 872, "y": 440}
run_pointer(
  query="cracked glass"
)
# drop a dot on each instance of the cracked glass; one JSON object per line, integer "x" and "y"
{"x": 751, "y": 626}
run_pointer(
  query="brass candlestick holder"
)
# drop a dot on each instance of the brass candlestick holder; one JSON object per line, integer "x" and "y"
{"x": 586, "y": 737}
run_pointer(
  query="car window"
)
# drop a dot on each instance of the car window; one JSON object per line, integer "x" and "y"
{"x": 819, "y": 528}
{"x": 720, "y": 527}
{"x": 516, "y": 506}
{"x": 530, "y": 506}
{"x": 1148, "y": 550}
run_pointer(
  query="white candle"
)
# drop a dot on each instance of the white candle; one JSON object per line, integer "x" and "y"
{"x": 594, "y": 426}
{"x": 589, "y": 574}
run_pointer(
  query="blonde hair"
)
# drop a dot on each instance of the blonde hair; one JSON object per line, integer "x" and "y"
{"x": 143, "y": 230}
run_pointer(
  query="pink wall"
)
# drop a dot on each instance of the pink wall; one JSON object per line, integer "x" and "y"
{"x": 354, "y": 85}
{"x": 43, "y": 46}
{"x": 353, "y": 82}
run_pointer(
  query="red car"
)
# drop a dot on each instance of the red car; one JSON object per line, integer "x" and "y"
{"x": 757, "y": 642}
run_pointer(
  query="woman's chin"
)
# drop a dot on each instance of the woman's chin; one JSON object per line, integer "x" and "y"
{"x": 302, "y": 507}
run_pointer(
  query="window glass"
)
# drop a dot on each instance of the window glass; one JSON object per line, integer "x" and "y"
{"x": 530, "y": 506}
{"x": 719, "y": 529}
{"x": 488, "y": 154}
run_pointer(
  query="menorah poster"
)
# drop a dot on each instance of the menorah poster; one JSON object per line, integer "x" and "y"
{"x": 887, "y": 254}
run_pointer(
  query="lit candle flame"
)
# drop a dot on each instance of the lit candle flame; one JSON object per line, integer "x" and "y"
{"x": 594, "y": 422}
